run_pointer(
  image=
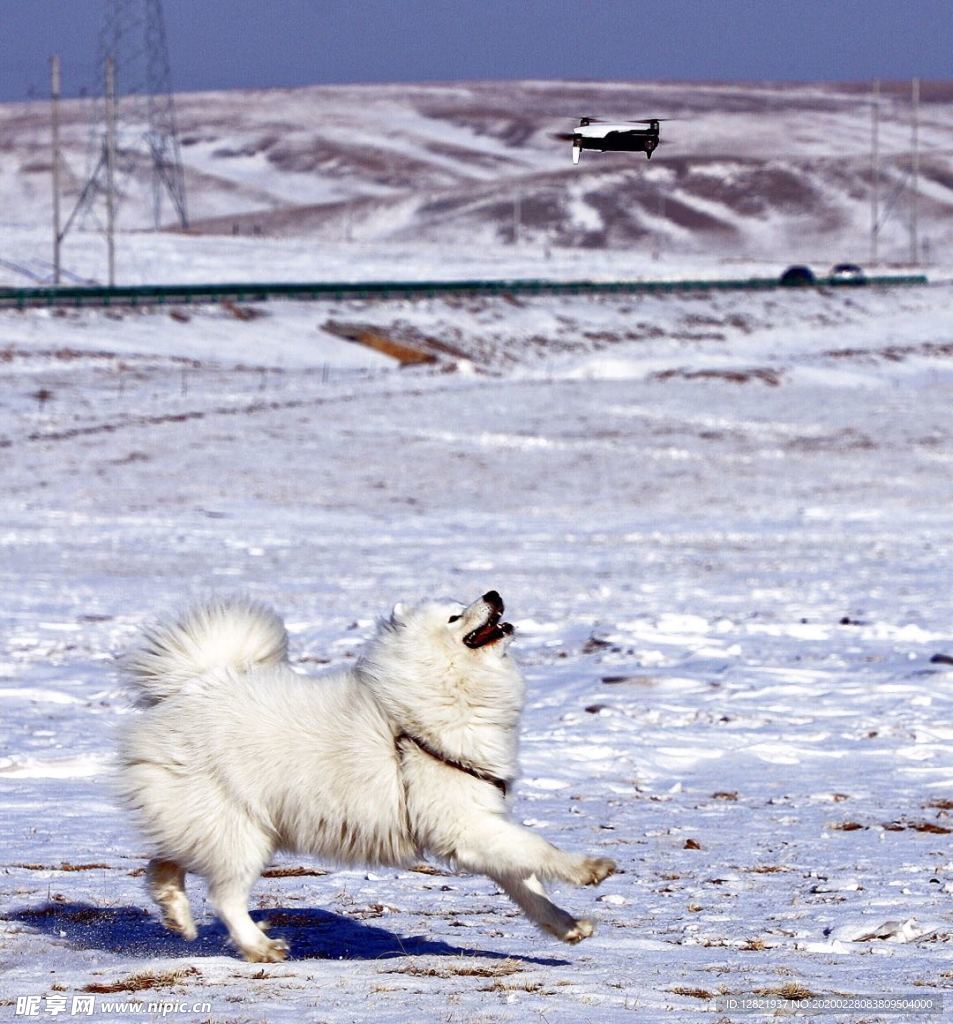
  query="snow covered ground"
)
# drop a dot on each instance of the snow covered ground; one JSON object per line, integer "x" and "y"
{"x": 164, "y": 258}
{"x": 722, "y": 526}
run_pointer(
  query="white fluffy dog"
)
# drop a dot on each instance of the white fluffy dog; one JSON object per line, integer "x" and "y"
{"x": 411, "y": 750}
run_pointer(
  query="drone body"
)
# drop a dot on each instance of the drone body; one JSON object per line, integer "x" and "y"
{"x": 607, "y": 137}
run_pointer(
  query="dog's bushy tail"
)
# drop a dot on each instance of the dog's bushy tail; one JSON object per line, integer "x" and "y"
{"x": 232, "y": 633}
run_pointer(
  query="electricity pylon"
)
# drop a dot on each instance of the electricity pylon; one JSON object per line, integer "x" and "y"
{"x": 133, "y": 35}
{"x": 138, "y": 111}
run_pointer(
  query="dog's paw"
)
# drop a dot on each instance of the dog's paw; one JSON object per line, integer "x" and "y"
{"x": 270, "y": 951}
{"x": 185, "y": 928}
{"x": 596, "y": 870}
{"x": 581, "y": 929}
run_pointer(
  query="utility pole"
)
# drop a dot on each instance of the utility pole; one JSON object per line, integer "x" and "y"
{"x": 111, "y": 168}
{"x": 55, "y": 104}
{"x": 915, "y": 173}
{"x": 875, "y": 172}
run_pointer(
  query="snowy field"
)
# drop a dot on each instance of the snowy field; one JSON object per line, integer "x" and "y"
{"x": 148, "y": 257}
{"x": 722, "y": 527}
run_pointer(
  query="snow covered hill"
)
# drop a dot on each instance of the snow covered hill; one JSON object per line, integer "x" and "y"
{"x": 750, "y": 170}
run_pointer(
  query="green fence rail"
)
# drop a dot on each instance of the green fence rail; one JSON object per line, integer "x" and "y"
{"x": 75, "y": 296}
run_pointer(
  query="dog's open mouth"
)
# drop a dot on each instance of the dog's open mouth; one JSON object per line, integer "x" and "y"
{"x": 492, "y": 629}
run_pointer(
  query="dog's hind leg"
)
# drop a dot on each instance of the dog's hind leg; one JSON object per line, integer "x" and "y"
{"x": 166, "y": 881}
{"x": 530, "y": 896}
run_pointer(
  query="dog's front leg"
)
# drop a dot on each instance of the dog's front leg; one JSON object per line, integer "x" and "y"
{"x": 530, "y": 896}
{"x": 491, "y": 845}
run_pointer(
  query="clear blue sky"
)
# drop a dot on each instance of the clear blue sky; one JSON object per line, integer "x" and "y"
{"x": 221, "y": 44}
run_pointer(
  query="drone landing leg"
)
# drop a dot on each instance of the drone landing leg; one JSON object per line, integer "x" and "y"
{"x": 576, "y": 150}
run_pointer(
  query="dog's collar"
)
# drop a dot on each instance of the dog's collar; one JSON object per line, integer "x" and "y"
{"x": 477, "y": 773}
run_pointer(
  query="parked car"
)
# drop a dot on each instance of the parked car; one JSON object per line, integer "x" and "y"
{"x": 797, "y": 275}
{"x": 848, "y": 273}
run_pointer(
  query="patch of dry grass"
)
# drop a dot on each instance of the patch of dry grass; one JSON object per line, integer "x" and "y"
{"x": 693, "y": 993}
{"x": 64, "y": 866}
{"x": 792, "y": 990}
{"x": 297, "y": 872}
{"x": 141, "y": 981}
{"x": 499, "y": 969}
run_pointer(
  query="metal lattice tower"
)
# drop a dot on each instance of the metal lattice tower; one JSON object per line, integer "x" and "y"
{"x": 133, "y": 35}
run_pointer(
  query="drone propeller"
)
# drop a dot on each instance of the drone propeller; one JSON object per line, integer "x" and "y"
{"x": 643, "y": 120}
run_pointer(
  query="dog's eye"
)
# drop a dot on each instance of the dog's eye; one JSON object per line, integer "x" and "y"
{"x": 453, "y": 618}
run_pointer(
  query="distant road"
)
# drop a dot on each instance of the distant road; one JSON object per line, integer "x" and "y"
{"x": 75, "y": 296}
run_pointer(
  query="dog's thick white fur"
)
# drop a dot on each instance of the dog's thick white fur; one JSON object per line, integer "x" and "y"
{"x": 235, "y": 755}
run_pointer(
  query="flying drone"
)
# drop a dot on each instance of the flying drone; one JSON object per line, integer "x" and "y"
{"x": 609, "y": 137}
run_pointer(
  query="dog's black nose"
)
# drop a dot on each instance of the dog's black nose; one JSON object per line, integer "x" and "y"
{"x": 494, "y": 600}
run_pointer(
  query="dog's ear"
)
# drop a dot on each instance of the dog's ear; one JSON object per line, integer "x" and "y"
{"x": 397, "y": 614}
